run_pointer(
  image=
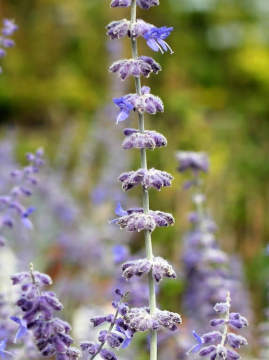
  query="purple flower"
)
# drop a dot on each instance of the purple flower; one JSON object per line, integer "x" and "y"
{"x": 120, "y": 253}
{"x": 199, "y": 344}
{"x": 160, "y": 268}
{"x": 151, "y": 178}
{"x": 219, "y": 341}
{"x": 196, "y": 161}
{"x": 139, "y": 319}
{"x": 108, "y": 355}
{"x": 125, "y": 108}
{"x": 9, "y": 27}
{"x": 120, "y": 3}
{"x": 38, "y": 307}
{"x": 101, "y": 319}
{"x": 3, "y": 353}
{"x": 119, "y": 211}
{"x": 136, "y": 220}
{"x": 147, "y": 140}
{"x": 142, "y": 66}
{"x": 22, "y": 330}
{"x": 144, "y": 4}
{"x": 156, "y": 39}
{"x": 121, "y": 28}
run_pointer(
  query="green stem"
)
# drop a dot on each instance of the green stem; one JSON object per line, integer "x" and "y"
{"x": 148, "y": 242}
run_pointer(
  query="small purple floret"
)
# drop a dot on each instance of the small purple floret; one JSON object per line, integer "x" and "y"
{"x": 155, "y": 38}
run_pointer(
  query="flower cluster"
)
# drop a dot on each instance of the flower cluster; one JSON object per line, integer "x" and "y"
{"x": 146, "y": 102}
{"x": 140, "y": 319}
{"x": 38, "y": 307}
{"x": 159, "y": 267}
{"x": 222, "y": 343}
{"x": 196, "y": 161}
{"x": 144, "y": 4}
{"x": 142, "y": 66}
{"x": 11, "y": 205}
{"x": 9, "y": 27}
{"x": 149, "y": 139}
{"x": 151, "y": 178}
{"x": 118, "y": 335}
{"x": 154, "y": 36}
{"x": 145, "y": 318}
{"x": 135, "y": 219}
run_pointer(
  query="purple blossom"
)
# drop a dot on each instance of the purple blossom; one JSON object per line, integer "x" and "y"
{"x": 137, "y": 220}
{"x": 140, "y": 319}
{"x": 120, "y": 253}
{"x": 160, "y": 268}
{"x": 116, "y": 336}
{"x": 125, "y": 108}
{"x": 156, "y": 39}
{"x": 145, "y": 103}
{"x": 142, "y": 66}
{"x": 22, "y": 330}
{"x": 120, "y": 3}
{"x": 218, "y": 342}
{"x": 4, "y": 354}
{"x": 121, "y": 28}
{"x": 9, "y": 27}
{"x": 144, "y": 4}
{"x": 23, "y": 182}
{"x": 147, "y": 140}
{"x": 196, "y": 161}
{"x": 199, "y": 344}
{"x": 151, "y": 178}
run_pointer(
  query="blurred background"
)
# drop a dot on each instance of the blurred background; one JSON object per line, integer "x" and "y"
{"x": 55, "y": 92}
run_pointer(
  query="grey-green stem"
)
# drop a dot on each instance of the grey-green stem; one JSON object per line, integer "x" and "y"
{"x": 148, "y": 242}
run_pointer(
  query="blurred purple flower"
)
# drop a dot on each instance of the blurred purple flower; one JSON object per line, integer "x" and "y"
{"x": 156, "y": 38}
{"x": 3, "y": 353}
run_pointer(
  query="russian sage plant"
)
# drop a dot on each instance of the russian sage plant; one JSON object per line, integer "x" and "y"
{"x": 143, "y": 219}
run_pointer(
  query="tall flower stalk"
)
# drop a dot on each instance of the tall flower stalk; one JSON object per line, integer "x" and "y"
{"x": 148, "y": 242}
{"x": 143, "y": 319}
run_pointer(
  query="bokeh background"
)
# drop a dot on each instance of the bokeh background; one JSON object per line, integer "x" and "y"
{"x": 56, "y": 92}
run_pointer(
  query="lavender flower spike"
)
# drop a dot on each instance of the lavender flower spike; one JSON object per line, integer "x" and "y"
{"x": 37, "y": 314}
{"x": 118, "y": 335}
{"x": 156, "y": 39}
{"x": 142, "y": 219}
{"x": 221, "y": 343}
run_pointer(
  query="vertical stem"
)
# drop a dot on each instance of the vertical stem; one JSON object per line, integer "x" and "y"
{"x": 143, "y": 153}
{"x": 227, "y": 317}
